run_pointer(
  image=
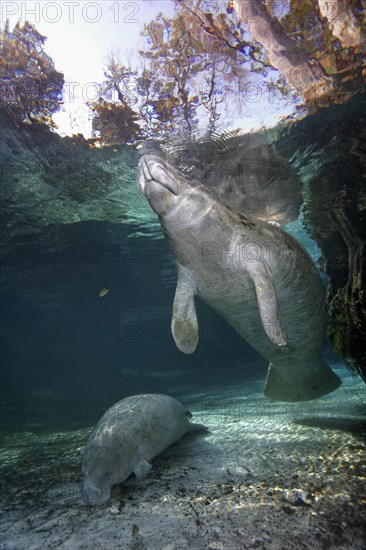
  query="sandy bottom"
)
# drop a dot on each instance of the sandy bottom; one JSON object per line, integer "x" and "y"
{"x": 267, "y": 475}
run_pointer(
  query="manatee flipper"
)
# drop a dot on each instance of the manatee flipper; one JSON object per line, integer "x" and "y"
{"x": 184, "y": 321}
{"x": 300, "y": 383}
{"x": 192, "y": 427}
{"x": 267, "y": 303}
{"x": 142, "y": 469}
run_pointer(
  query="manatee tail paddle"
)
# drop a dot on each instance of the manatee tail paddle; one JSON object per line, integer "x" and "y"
{"x": 300, "y": 384}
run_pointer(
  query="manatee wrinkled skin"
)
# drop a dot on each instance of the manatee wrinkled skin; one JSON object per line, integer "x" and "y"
{"x": 129, "y": 434}
{"x": 252, "y": 273}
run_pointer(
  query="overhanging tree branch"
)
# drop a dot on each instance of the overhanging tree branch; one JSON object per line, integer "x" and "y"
{"x": 300, "y": 71}
{"x": 342, "y": 22}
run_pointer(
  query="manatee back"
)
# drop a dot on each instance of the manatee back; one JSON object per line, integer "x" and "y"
{"x": 142, "y": 425}
{"x": 128, "y": 435}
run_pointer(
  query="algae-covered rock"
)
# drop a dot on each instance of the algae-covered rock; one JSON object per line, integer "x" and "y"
{"x": 337, "y": 220}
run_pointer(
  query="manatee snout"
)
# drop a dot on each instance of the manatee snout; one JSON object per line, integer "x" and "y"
{"x": 94, "y": 496}
{"x": 153, "y": 168}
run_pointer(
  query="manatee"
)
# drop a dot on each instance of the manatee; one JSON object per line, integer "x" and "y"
{"x": 253, "y": 179}
{"x": 128, "y": 435}
{"x": 254, "y": 274}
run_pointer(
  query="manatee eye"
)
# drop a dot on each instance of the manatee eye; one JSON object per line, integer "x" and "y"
{"x": 107, "y": 474}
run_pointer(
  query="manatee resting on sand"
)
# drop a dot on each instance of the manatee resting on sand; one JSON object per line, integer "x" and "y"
{"x": 129, "y": 434}
{"x": 256, "y": 276}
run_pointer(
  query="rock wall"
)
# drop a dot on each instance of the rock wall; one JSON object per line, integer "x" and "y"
{"x": 329, "y": 152}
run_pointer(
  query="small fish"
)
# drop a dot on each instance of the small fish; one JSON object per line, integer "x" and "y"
{"x": 103, "y": 292}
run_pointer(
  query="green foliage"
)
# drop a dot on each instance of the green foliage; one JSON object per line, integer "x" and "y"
{"x": 30, "y": 86}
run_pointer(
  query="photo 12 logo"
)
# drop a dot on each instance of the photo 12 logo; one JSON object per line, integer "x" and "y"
{"x": 54, "y": 12}
{"x": 68, "y": 332}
